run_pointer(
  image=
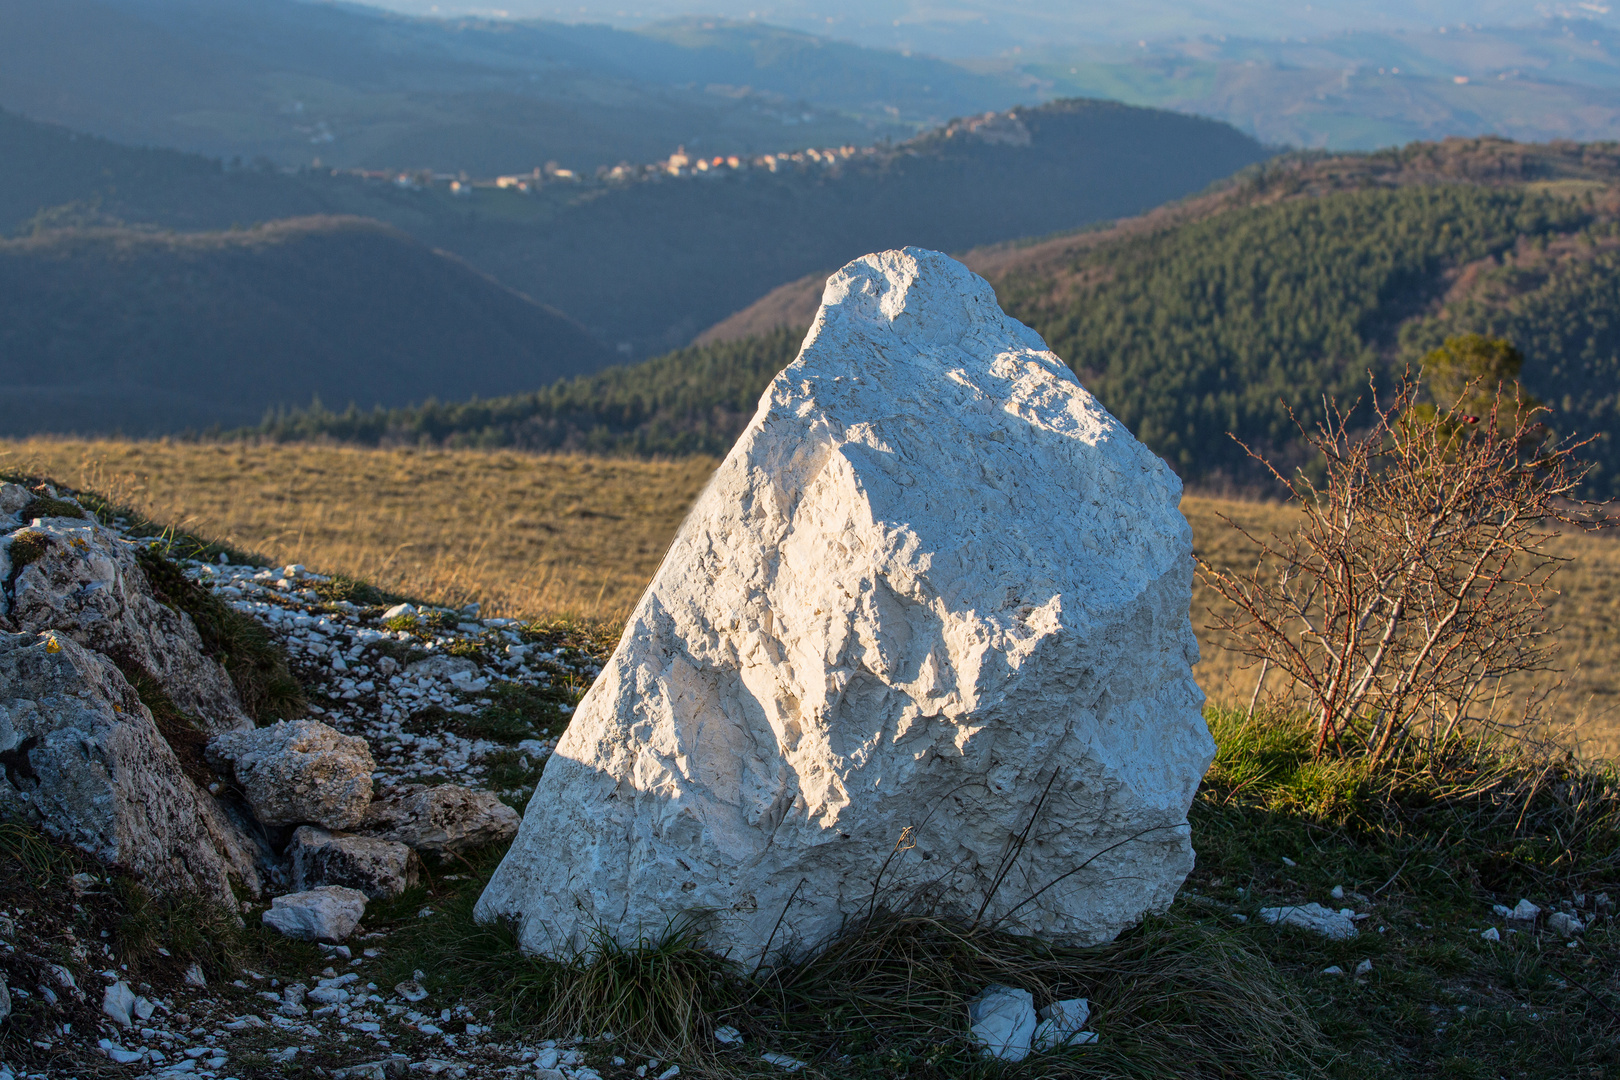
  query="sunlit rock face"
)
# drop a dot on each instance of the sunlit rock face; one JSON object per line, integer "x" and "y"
{"x": 934, "y": 600}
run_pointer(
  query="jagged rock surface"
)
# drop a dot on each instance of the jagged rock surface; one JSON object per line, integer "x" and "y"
{"x": 934, "y": 587}
{"x": 328, "y": 913}
{"x": 299, "y": 772}
{"x": 83, "y": 581}
{"x": 382, "y": 869}
{"x": 85, "y": 761}
{"x": 440, "y": 819}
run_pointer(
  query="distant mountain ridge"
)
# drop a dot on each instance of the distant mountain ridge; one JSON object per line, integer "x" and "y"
{"x": 649, "y": 264}
{"x": 356, "y": 86}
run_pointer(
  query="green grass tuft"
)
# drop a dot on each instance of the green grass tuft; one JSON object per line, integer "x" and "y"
{"x": 341, "y": 588}
{"x": 1509, "y": 815}
{"x": 516, "y": 712}
{"x": 43, "y": 506}
{"x": 256, "y": 664}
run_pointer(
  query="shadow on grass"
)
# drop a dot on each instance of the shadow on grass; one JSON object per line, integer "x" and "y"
{"x": 1207, "y": 989}
{"x": 1174, "y": 997}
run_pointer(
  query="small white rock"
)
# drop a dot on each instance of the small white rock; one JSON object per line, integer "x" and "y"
{"x": 413, "y": 991}
{"x": 329, "y": 913}
{"x": 782, "y": 1061}
{"x": 727, "y": 1035}
{"x": 1524, "y": 911}
{"x": 1490, "y": 933}
{"x": 117, "y": 1003}
{"x": 1002, "y": 1019}
{"x": 1333, "y": 969}
{"x": 1062, "y": 1024}
{"x": 1565, "y": 924}
{"x": 1364, "y": 968}
{"x": 1313, "y": 916}
{"x": 1338, "y": 892}
{"x": 195, "y": 976}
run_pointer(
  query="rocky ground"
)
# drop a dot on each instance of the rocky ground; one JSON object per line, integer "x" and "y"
{"x": 1475, "y": 941}
{"x": 440, "y": 696}
{"x": 424, "y": 687}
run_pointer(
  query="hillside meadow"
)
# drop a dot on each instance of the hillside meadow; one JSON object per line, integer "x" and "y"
{"x": 547, "y": 536}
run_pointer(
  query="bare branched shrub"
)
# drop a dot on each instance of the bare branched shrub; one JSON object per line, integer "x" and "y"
{"x": 1413, "y": 586}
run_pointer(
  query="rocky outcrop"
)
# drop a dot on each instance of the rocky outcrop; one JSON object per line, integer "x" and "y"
{"x": 934, "y": 606}
{"x": 79, "y": 579}
{"x": 440, "y": 820}
{"x": 299, "y": 772}
{"x": 382, "y": 869}
{"x": 84, "y": 761}
{"x": 328, "y": 913}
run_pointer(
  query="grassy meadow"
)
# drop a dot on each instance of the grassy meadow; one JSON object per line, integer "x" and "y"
{"x": 550, "y": 536}
{"x": 1206, "y": 990}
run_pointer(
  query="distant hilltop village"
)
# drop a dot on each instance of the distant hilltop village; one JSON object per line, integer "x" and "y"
{"x": 1005, "y": 129}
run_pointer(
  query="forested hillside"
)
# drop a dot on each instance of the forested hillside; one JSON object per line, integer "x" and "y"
{"x": 693, "y": 401}
{"x": 1227, "y": 323}
{"x": 142, "y": 332}
{"x": 51, "y": 177}
{"x": 1220, "y": 314}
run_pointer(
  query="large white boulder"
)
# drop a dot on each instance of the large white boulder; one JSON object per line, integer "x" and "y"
{"x": 84, "y": 760}
{"x": 934, "y": 605}
{"x": 76, "y": 577}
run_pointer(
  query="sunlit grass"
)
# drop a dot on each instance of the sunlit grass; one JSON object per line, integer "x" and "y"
{"x": 534, "y": 536}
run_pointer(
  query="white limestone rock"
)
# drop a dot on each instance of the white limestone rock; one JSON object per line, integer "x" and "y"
{"x": 83, "y": 580}
{"x": 118, "y": 1003}
{"x": 85, "y": 761}
{"x": 1002, "y": 1021}
{"x": 299, "y": 772}
{"x": 1062, "y": 1023}
{"x": 382, "y": 869}
{"x": 441, "y": 819}
{"x": 933, "y": 580}
{"x": 1335, "y": 925}
{"x": 13, "y": 497}
{"x": 328, "y": 913}
{"x": 1564, "y": 924}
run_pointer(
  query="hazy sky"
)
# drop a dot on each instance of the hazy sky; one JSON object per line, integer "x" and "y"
{"x": 983, "y": 27}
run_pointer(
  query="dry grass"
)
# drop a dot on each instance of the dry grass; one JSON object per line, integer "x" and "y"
{"x": 523, "y": 535}
{"x": 1587, "y": 606}
{"x": 550, "y": 536}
